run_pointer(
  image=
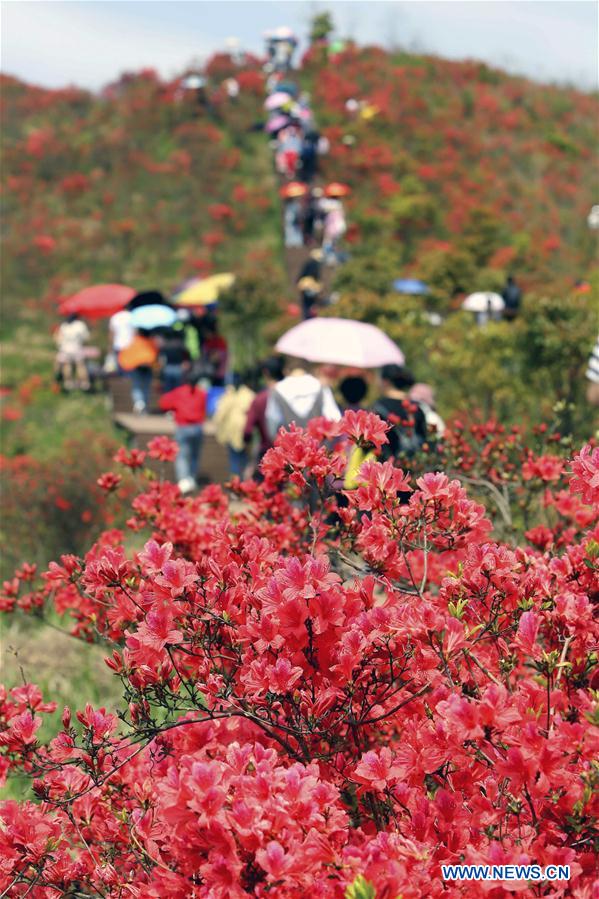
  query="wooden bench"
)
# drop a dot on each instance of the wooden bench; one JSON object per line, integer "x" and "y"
{"x": 214, "y": 465}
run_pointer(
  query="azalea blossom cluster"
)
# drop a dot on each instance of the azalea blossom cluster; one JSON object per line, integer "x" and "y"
{"x": 326, "y": 692}
{"x": 522, "y": 478}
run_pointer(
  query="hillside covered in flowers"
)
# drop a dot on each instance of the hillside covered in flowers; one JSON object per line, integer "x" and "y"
{"x": 452, "y": 159}
{"x": 458, "y": 168}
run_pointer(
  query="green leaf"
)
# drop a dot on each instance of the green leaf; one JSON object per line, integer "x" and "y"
{"x": 360, "y": 889}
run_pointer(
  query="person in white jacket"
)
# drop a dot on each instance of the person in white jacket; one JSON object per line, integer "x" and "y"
{"x": 299, "y": 398}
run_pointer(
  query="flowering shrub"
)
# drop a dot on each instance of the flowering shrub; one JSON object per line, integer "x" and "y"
{"x": 52, "y": 503}
{"x": 325, "y": 692}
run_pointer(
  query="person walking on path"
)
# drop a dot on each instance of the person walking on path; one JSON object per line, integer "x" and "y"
{"x": 299, "y": 398}
{"x": 395, "y": 406}
{"x": 308, "y": 161}
{"x": 592, "y": 376}
{"x": 312, "y": 266}
{"x": 71, "y": 337}
{"x": 424, "y": 395}
{"x": 334, "y": 228}
{"x": 188, "y": 403}
{"x": 230, "y": 420}
{"x": 310, "y": 291}
{"x": 137, "y": 361}
{"x": 272, "y": 372}
{"x": 121, "y": 333}
{"x": 512, "y": 297}
{"x": 292, "y": 216}
{"x": 215, "y": 353}
{"x": 173, "y": 357}
{"x": 353, "y": 389}
{"x": 408, "y": 425}
{"x": 289, "y": 146}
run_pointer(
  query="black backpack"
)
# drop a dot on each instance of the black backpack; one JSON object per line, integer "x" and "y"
{"x": 404, "y": 441}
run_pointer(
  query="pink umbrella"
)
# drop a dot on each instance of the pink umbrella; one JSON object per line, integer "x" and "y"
{"x": 276, "y": 100}
{"x": 283, "y": 33}
{"x": 340, "y": 341}
{"x": 100, "y": 301}
{"x": 276, "y": 123}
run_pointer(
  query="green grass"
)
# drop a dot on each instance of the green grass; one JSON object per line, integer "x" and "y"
{"x": 68, "y": 672}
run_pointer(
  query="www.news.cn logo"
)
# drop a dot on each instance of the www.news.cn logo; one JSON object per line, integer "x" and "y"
{"x": 505, "y": 872}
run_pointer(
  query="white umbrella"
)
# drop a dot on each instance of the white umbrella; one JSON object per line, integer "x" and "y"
{"x": 483, "y": 302}
{"x": 193, "y": 82}
{"x": 340, "y": 341}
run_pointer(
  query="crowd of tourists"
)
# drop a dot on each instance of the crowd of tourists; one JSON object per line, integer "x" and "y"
{"x": 313, "y": 212}
{"x": 184, "y": 347}
{"x": 255, "y": 405}
{"x": 141, "y": 352}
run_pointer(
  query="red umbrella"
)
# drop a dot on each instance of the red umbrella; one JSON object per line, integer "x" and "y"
{"x": 100, "y": 301}
{"x": 293, "y": 189}
{"x": 336, "y": 189}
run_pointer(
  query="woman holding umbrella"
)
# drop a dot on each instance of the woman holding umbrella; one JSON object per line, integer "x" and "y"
{"x": 93, "y": 303}
{"x": 150, "y": 312}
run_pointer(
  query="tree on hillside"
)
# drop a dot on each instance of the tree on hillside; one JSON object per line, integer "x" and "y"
{"x": 245, "y": 310}
{"x": 483, "y": 233}
{"x": 321, "y": 27}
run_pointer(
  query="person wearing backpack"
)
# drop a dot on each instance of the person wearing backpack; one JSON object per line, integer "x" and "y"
{"x": 272, "y": 371}
{"x": 299, "y": 398}
{"x": 408, "y": 431}
{"x": 406, "y": 415}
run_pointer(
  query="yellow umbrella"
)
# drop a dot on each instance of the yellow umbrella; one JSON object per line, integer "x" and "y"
{"x": 369, "y": 112}
{"x": 206, "y": 291}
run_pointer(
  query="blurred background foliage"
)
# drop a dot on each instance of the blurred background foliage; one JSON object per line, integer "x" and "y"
{"x": 459, "y": 175}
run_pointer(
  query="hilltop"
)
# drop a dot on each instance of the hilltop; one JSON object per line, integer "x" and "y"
{"x": 138, "y": 184}
{"x": 457, "y": 167}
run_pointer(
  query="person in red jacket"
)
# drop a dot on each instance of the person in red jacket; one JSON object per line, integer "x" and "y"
{"x": 188, "y": 403}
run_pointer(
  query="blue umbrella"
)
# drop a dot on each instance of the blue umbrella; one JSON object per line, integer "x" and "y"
{"x": 410, "y": 285}
{"x": 150, "y": 317}
{"x": 288, "y": 87}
